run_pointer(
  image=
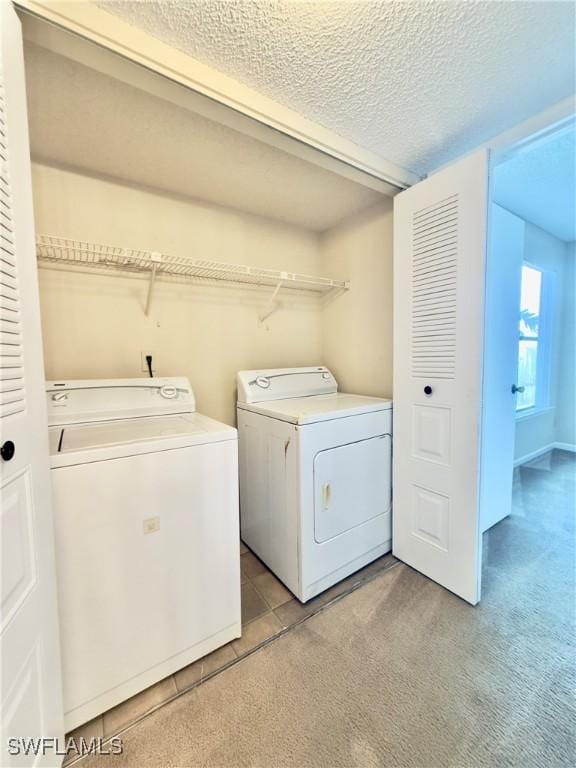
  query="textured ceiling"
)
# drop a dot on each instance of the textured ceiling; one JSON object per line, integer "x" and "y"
{"x": 418, "y": 82}
{"x": 131, "y": 135}
{"x": 539, "y": 185}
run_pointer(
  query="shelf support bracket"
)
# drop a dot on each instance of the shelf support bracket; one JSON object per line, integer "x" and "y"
{"x": 270, "y": 306}
{"x": 156, "y": 259}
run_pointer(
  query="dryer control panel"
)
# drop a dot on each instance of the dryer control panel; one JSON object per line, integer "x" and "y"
{"x": 284, "y": 383}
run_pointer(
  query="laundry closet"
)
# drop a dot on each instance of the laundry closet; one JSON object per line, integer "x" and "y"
{"x": 177, "y": 243}
{"x": 185, "y": 235}
{"x": 266, "y": 258}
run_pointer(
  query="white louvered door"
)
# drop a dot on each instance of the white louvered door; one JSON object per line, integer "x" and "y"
{"x": 439, "y": 273}
{"x": 30, "y": 680}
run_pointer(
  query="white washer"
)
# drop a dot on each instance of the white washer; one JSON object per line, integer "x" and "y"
{"x": 315, "y": 476}
{"x": 147, "y": 540}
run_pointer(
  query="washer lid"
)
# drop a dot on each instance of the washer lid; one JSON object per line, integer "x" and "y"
{"x": 80, "y": 443}
{"x": 309, "y": 410}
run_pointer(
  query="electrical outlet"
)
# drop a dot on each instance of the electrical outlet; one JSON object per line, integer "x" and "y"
{"x": 144, "y": 364}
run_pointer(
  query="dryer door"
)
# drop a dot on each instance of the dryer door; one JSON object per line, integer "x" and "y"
{"x": 352, "y": 484}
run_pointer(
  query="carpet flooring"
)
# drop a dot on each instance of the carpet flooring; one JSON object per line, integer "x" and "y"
{"x": 403, "y": 673}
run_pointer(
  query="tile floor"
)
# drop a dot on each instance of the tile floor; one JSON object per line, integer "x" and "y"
{"x": 268, "y": 609}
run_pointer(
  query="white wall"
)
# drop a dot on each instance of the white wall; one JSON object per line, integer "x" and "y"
{"x": 357, "y": 327}
{"x": 556, "y": 424}
{"x": 94, "y": 326}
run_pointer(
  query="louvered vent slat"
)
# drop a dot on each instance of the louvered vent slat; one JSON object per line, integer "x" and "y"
{"x": 12, "y": 408}
{"x": 9, "y": 374}
{"x": 11, "y": 385}
{"x": 10, "y": 338}
{"x": 12, "y": 392}
{"x": 434, "y": 278}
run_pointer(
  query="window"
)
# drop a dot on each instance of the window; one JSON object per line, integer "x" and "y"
{"x": 533, "y": 344}
{"x": 529, "y": 323}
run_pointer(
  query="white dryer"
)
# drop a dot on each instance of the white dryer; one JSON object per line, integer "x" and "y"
{"x": 315, "y": 476}
{"x": 147, "y": 540}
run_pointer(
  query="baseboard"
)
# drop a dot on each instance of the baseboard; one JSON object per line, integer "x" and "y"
{"x": 535, "y": 454}
{"x": 546, "y": 449}
{"x": 566, "y": 447}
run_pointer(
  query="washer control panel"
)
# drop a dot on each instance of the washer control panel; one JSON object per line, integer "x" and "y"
{"x": 83, "y": 400}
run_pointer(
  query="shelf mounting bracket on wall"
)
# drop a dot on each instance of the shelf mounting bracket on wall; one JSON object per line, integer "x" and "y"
{"x": 271, "y": 306}
{"x": 156, "y": 258}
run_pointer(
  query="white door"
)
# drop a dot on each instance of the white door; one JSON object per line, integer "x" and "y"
{"x": 31, "y": 699}
{"x": 503, "y": 280}
{"x": 439, "y": 266}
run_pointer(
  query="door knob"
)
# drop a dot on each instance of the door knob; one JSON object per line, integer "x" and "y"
{"x": 427, "y": 389}
{"x": 516, "y": 389}
{"x": 7, "y": 450}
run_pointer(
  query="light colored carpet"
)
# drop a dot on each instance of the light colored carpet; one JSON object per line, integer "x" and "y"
{"x": 402, "y": 673}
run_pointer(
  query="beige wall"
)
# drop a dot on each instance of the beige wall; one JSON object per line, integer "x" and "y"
{"x": 357, "y": 326}
{"x": 556, "y": 424}
{"x": 94, "y": 326}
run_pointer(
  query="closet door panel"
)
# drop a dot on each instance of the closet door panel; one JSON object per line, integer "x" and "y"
{"x": 31, "y": 699}
{"x": 439, "y": 265}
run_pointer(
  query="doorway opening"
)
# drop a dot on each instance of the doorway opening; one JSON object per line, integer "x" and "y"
{"x": 529, "y": 422}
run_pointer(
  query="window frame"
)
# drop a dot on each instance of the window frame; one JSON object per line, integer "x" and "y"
{"x": 544, "y": 340}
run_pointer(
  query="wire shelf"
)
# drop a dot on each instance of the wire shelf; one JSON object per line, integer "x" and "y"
{"x": 64, "y": 251}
